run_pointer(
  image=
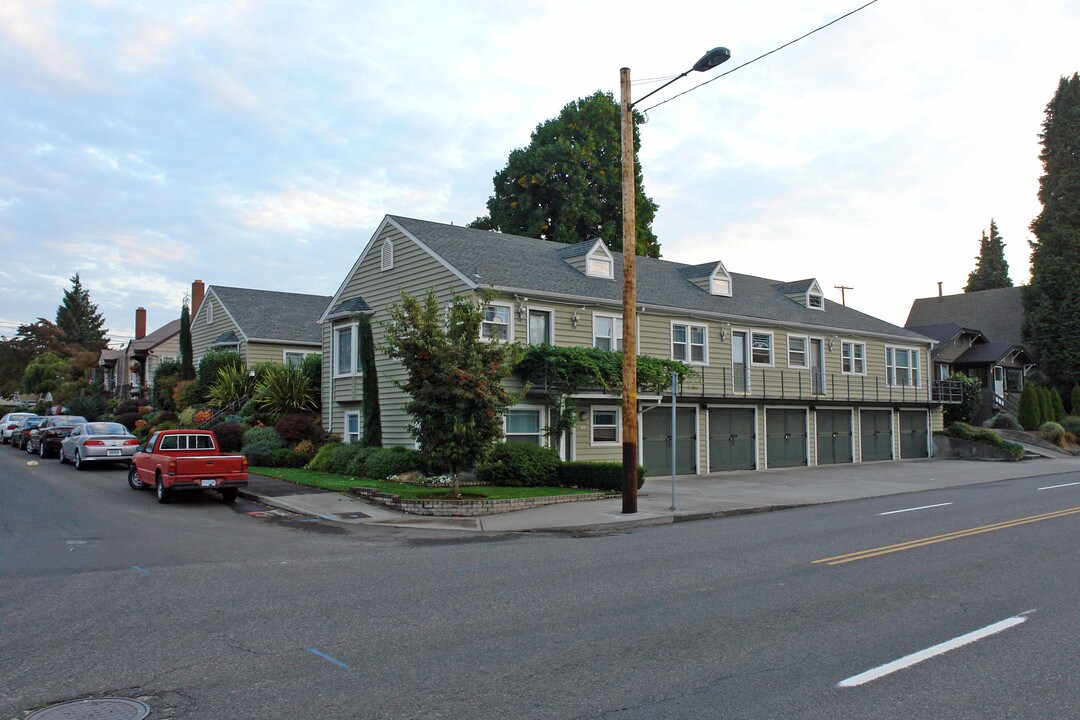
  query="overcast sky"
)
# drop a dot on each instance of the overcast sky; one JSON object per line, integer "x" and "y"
{"x": 258, "y": 144}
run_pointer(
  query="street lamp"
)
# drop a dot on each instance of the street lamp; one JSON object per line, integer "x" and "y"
{"x": 708, "y": 61}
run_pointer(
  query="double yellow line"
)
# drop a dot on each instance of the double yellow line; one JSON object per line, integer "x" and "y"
{"x": 912, "y": 544}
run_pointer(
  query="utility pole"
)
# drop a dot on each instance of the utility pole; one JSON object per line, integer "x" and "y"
{"x": 842, "y": 288}
{"x": 629, "y": 355}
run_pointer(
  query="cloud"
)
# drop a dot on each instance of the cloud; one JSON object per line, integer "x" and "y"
{"x": 30, "y": 27}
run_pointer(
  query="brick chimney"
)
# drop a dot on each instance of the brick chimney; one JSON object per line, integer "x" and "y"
{"x": 140, "y": 323}
{"x": 198, "y": 290}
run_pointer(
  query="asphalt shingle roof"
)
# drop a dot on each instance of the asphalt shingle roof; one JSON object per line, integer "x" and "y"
{"x": 520, "y": 263}
{"x": 271, "y": 315}
{"x": 352, "y": 305}
{"x": 157, "y": 337}
{"x": 986, "y": 353}
{"x": 996, "y": 313}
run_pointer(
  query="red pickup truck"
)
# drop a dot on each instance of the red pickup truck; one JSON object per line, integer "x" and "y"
{"x": 174, "y": 460}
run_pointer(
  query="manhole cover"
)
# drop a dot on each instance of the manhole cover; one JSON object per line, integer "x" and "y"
{"x": 94, "y": 709}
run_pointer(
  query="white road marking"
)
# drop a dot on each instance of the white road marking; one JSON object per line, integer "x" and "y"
{"x": 1055, "y": 487}
{"x": 922, "y": 507}
{"x": 939, "y": 649}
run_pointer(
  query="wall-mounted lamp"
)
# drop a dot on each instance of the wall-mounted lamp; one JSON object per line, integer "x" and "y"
{"x": 521, "y": 309}
{"x": 574, "y": 321}
{"x": 830, "y": 341}
{"x": 582, "y": 416}
{"x": 723, "y": 334}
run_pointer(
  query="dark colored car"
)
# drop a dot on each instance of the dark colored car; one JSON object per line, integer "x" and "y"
{"x": 22, "y": 431}
{"x": 45, "y": 439}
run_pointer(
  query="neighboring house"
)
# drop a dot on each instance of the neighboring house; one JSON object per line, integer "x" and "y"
{"x": 130, "y": 372}
{"x": 260, "y": 325}
{"x": 978, "y": 334}
{"x": 783, "y": 376}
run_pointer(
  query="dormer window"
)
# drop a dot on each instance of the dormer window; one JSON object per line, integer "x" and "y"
{"x": 720, "y": 286}
{"x": 815, "y": 301}
{"x": 387, "y": 256}
{"x": 600, "y": 266}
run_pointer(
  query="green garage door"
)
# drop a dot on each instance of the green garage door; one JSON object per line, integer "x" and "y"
{"x": 785, "y": 434}
{"x": 914, "y": 442}
{"x": 732, "y": 440}
{"x": 656, "y": 441}
{"x": 834, "y": 437}
{"x": 876, "y": 435}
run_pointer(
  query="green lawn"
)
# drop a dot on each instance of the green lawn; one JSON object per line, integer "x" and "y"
{"x": 341, "y": 483}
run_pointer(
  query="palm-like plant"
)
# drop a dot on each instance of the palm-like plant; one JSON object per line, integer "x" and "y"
{"x": 285, "y": 389}
{"x": 233, "y": 385}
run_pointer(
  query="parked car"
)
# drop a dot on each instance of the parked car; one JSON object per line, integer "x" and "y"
{"x": 45, "y": 438}
{"x": 98, "y": 442}
{"x": 22, "y": 430}
{"x": 9, "y": 422}
{"x": 175, "y": 460}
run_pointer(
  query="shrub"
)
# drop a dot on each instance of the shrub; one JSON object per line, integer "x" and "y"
{"x": 334, "y": 457}
{"x": 519, "y": 464}
{"x": 357, "y": 462}
{"x": 187, "y": 418}
{"x": 166, "y": 426}
{"x": 202, "y": 416}
{"x": 209, "y": 371}
{"x": 1003, "y": 421}
{"x": 128, "y": 419}
{"x": 599, "y": 475}
{"x": 382, "y": 463}
{"x": 185, "y": 394}
{"x": 1046, "y": 405}
{"x": 230, "y": 437}
{"x": 164, "y": 416}
{"x": 1053, "y": 432}
{"x": 1030, "y": 414}
{"x": 1057, "y": 404}
{"x": 127, "y": 406}
{"x": 86, "y": 404}
{"x": 263, "y": 436}
{"x": 286, "y": 458}
{"x": 1071, "y": 423}
{"x": 285, "y": 389}
{"x": 305, "y": 448}
{"x": 1074, "y": 399}
{"x": 963, "y": 431}
{"x": 294, "y": 428}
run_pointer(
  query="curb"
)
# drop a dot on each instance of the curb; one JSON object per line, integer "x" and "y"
{"x": 661, "y": 520}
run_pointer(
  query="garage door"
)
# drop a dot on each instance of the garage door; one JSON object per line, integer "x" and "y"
{"x": 785, "y": 434}
{"x": 656, "y": 441}
{"x": 834, "y": 437}
{"x": 732, "y": 440}
{"x": 875, "y": 435}
{"x": 914, "y": 442}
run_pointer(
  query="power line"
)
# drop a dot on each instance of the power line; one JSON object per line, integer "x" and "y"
{"x": 759, "y": 57}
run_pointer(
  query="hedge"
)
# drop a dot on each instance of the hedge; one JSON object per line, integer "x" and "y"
{"x": 599, "y": 475}
{"x": 519, "y": 465}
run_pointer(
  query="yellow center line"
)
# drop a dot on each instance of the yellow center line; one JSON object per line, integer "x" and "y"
{"x": 922, "y": 542}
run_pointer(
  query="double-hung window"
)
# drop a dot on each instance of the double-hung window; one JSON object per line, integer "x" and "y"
{"x": 761, "y": 348}
{"x": 345, "y": 350}
{"x": 293, "y": 357}
{"x": 352, "y": 427}
{"x": 902, "y": 366}
{"x": 688, "y": 343}
{"x": 540, "y": 327}
{"x": 607, "y": 332}
{"x": 496, "y": 323}
{"x": 605, "y": 426}
{"x": 524, "y": 425}
{"x": 853, "y": 358}
{"x": 796, "y": 350}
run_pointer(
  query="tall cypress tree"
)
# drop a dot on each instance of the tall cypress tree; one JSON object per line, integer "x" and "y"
{"x": 1051, "y": 312}
{"x": 991, "y": 269}
{"x": 79, "y": 319}
{"x": 187, "y": 361}
{"x": 372, "y": 415}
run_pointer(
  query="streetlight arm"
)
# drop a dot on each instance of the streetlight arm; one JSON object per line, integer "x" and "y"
{"x": 645, "y": 97}
{"x": 716, "y": 56}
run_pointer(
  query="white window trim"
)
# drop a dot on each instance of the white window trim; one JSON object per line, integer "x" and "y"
{"x": 386, "y": 255}
{"x": 354, "y": 354}
{"x": 815, "y": 291}
{"x": 806, "y": 352}
{"x": 551, "y": 321}
{"x": 853, "y": 371}
{"x": 689, "y": 343}
{"x": 544, "y": 441}
{"x": 345, "y": 427}
{"x": 592, "y": 424}
{"x": 600, "y": 248}
{"x": 509, "y": 322}
{"x": 616, "y": 329}
{"x": 890, "y": 370}
{"x": 749, "y": 375}
{"x": 772, "y": 348}
{"x": 302, "y": 352}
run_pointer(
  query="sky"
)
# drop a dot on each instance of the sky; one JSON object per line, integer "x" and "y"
{"x": 258, "y": 144}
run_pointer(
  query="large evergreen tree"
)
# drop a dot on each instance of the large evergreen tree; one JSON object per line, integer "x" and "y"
{"x": 1051, "y": 310}
{"x": 991, "y": 269}
{"x": 79, "y": 319}
{"x": 567, "y": 184}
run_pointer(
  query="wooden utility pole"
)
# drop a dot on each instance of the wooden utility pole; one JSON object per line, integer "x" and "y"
{"x": 629, "y": 353}
{"x": 842, "y": 288}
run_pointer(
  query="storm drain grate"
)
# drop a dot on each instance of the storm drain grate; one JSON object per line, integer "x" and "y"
{"x": 112, "y": 708}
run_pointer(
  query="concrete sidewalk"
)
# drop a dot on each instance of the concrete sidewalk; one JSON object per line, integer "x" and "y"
{"x": 697, "y": 496}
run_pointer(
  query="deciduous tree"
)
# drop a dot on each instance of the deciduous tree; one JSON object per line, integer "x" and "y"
{"x": 566, "y": 185}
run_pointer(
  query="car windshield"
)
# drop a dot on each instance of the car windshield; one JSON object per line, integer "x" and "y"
{"x": 32, "y": 422}
{"x": 105, "y": 428}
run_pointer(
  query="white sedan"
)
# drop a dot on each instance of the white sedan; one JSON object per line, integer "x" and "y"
{"x": 8, "y": 423}
{"x": 98, "y": 442}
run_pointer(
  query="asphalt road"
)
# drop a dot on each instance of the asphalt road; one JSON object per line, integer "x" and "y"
{"x": 205, "y": 611}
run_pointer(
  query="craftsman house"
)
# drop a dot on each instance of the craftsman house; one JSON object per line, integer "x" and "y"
{"x": 783, "y": 377}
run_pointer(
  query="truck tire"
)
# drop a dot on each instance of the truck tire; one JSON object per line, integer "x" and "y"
{"x": 133, "y": 479}
{"x": 229, "y": 495}
{"x": 164, "y": 494}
